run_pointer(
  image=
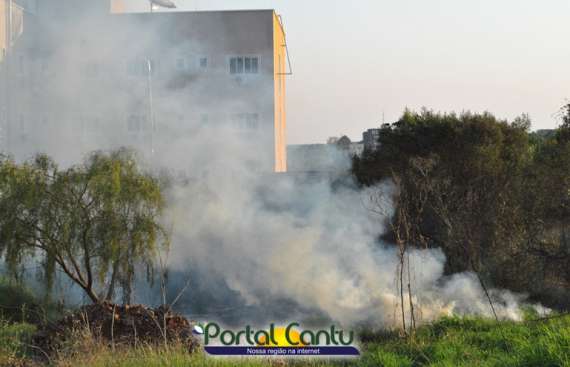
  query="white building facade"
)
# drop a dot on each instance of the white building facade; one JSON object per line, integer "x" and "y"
{"x": 175, "y": 86}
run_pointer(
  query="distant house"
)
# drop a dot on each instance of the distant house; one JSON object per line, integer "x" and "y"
{"x": 352, "y": 149}
{"x": 371, "y": 139}
{"x": 317, "y": 158}
{"x": 334, "y": 156}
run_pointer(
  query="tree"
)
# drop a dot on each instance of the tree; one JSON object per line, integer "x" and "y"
{"x": 496, "y": 197}
{"x": 563, "y": 133}
{"x": 96, "y": 222}
{"x": 405, "y": 225}
{"x": 472, "y": 189}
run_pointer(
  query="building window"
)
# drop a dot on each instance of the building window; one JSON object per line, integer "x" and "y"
{"x": 203, "y": 63}
{"x": 244, "y": 65}
{"x": 251, "y": 65}
{"x": 185, "y": 64}
{"x": 246, "y": 121}
{"x": 181, "y": 64}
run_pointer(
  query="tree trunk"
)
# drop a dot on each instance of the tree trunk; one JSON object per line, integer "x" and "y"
{"x": 111, "y": 289}
{"x": 88, "y": 288}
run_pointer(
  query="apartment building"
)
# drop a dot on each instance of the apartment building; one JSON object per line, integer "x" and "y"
{"x": 81, "y": 76}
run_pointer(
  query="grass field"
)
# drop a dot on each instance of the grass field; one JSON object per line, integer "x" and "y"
{"x": 449, "y": 342}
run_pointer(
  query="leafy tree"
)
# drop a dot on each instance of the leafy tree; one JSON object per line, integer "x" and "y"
{"x": 563, "y": 133}
{"x": 476, "y": 165}
{"x": 493, "y": 196}
{"x": 96, "y": 222}
{"x": 549, "y": 175}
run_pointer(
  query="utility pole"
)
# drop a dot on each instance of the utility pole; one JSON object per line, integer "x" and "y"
{"x": 164, "y": 4}
{"x": 151, "y": 109}
{"x": 8, "y": 74}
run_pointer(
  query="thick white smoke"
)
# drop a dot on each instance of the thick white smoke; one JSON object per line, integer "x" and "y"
{"x": 287, "y": 237}
{"x": 293, "y": 244}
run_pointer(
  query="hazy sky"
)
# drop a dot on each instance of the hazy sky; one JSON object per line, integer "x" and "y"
{"x": 355, "y": 60}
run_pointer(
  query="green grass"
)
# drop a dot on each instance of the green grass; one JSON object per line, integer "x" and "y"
{"x": 175, "y": 357}
{"x": 14, "y": 342}
{"x": 18, "y": 304}
{"x": 448, "y": 342}
{"x": 479, "y": 342}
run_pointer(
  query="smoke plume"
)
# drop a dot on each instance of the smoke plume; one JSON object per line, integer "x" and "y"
{"x": 289, "y": 246}
{"x": 256, "y": 245}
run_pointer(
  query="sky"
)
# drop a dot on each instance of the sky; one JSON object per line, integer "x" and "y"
{"x": 358, "y": 63}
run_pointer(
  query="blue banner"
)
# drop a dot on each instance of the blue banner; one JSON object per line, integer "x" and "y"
{"x": 282, "y": 351}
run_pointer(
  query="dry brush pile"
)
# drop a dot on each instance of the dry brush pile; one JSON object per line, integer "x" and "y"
{"x": 116, "y": 326}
